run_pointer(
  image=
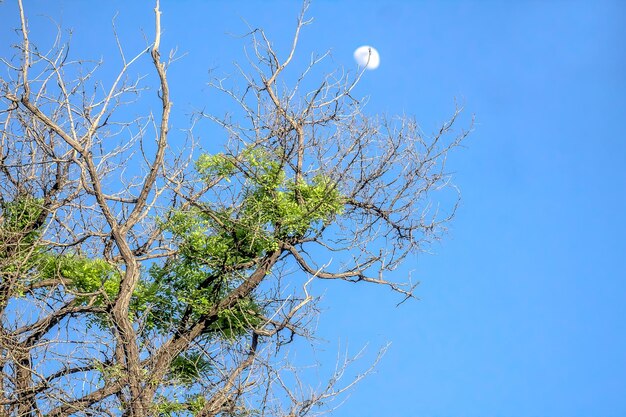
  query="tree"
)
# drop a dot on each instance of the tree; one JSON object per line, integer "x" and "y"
{"x": 138, "y": 279}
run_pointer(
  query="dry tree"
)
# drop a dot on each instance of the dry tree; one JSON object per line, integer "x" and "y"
{"x": 138, "y": 280}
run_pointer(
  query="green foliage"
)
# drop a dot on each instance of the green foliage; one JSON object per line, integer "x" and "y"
{"x": 19, "y": 217}
{"x": 109, "y": 372}
{"x": 217, "y": 247}
{"x": 190, "y": 406}
{"x": 272, "y": 202}
{"x": 185, "y": 286}
{"x": 166, "y": 408}
{"x": 196, "y": 404}
{"x": 214, "y": 165}
{"x": 293, "y": 209}
{"x": 235, "y": 321}
{"x": 83, "y": 275}
{"x": 19, "y": 230}
{"x": 189, "y": 367}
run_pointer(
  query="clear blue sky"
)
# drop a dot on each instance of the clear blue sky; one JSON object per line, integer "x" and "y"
{"x": 523, "y": 305}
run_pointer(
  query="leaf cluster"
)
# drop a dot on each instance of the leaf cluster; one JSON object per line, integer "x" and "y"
{"x": 218, "y": 248}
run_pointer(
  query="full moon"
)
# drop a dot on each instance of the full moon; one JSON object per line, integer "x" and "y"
{"x": 367, "y": 57}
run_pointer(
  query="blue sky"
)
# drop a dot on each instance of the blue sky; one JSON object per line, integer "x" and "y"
{"x": 522, "y": 307}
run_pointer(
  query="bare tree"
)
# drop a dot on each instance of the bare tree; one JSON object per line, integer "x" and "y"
{"x": 141, "y": 280}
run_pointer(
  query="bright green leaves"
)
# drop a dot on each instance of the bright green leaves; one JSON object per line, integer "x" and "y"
{"x": 82, "y": 275}
{"x": 218, "y": 247}
{"x": 215, "y": 165}
{"x": 19, "y": 218}
{"x": 190, "y": 406}
{"x": 293, "y": 209}
{"x": 274, "y": 206}
{"x": 263, "y": 169}
{"x": 217, "y": 239}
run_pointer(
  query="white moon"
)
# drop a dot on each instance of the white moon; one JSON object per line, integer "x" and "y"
{"x": 367, "y": 57}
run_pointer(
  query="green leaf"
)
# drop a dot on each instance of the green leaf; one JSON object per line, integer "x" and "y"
{"x": 189, "y": 367}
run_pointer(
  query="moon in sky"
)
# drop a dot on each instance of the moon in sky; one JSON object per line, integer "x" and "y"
{"x": 366, "y": 56}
